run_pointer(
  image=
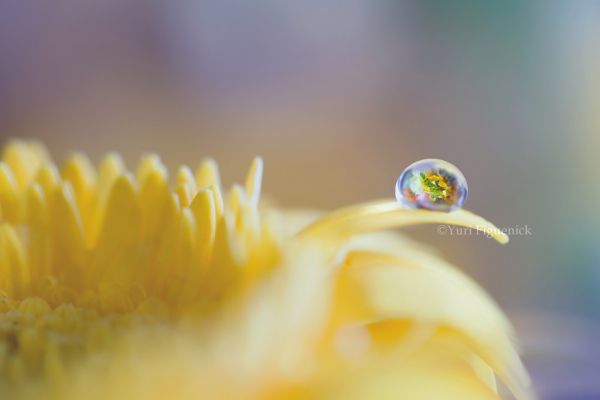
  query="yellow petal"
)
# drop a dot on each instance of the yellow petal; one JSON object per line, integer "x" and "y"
{"x": 254, "y": 180}
{"x": 48, "y": 178}
{"x": 410, "y": 336}
{"x": 208, "y": 174}
{"x": 235, "y": 201}
{"x": 121, "y": 222}
{"x": 14, "y": 272}
{"x": 120, "y": 231}
{"x": 39, "y": 244}
{"x": 184, "y": 265}
{"x": 110, "y": 169}
{"x": 218, "y": 199}
{"x": 228, "y": 255}
{"x": 203, "y": 208}
{"x": 9, "y": 195}
{"x": 434, "y": 371}
{"x": 24, "y": 159}
{"x": 78, "y": 170}
{"x": 166, "y": 247}
{"x": 67, "y": 235}
{"x": 377, "y": 216}
{"x": 150, "y": 163}
{"x": 394, "y": 288}
{"x": 153, "y": 196}
{"x": 185, "y": 186}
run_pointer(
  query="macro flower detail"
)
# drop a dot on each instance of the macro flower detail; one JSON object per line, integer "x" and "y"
{"x": 120, "y": 284}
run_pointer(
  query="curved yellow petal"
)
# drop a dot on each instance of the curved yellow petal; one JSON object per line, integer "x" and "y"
{"x": 435, "y": 370}
{"x": 394, "y": 287}
{"x": 377, "y": 216}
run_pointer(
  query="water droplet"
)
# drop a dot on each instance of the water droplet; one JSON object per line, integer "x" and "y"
{"x": 432, "y": 184}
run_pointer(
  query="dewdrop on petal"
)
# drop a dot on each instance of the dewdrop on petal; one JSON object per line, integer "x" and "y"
{"x": 433, "y": 185}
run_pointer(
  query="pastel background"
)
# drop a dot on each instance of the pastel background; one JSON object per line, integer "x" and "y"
{"x": 338, "y": 97}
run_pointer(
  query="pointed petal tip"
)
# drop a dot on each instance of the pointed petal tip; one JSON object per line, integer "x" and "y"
{"x": 207, "y": 174}
{"x": 254, "y": 180}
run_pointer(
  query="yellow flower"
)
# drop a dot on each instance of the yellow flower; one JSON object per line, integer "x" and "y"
{"x": 119, "y": 285}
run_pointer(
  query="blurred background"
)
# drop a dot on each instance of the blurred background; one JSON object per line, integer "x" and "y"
{"x": 338, "y": 97}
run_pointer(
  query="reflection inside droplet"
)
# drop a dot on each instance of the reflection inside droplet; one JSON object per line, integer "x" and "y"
{"x": 432, "y": 184}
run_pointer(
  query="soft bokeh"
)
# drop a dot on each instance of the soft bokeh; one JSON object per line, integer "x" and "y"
{"x": 338, "y": 97}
